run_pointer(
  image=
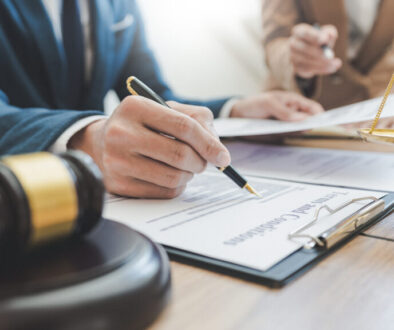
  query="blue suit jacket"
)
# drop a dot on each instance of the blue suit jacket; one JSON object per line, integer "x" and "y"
{"x": 33, "y": 107}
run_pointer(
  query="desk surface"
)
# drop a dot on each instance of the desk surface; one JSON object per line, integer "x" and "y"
{"x": 351, "y": 289}
{"x": 385, "y": 229}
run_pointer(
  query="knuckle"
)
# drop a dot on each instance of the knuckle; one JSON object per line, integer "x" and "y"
{"x": 183, "y": 125}
{"x": 179, "y": 155}
{"x": 211, "y": 149}
{"x": 206, "y": 113}
{"x": 112, "y": 131}
{"x": 292, "y": 43}
{"x": 197, "y": 115}
{"x": 174, "y": 179}
{"x": 203, "y": 114}
{"x": 285, "y": 115}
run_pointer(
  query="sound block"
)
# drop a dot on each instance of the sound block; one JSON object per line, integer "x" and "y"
{"x": 114, "y": 278}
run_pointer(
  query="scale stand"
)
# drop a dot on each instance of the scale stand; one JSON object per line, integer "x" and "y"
{"x": 374, "y": 135}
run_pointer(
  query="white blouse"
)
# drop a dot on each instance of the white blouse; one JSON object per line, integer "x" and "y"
{"x": 362, "y": 15}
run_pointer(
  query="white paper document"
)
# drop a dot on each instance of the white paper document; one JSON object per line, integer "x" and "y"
{"x": 367, "y": 170}
{"x": 215, "y": 218}
{"x": 358, "y": 112}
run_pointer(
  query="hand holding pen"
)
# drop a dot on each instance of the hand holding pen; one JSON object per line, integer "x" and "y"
{"x": 137, "y": 158}
{"x": 311, "y": 50}
{"x": 138, "y": 88}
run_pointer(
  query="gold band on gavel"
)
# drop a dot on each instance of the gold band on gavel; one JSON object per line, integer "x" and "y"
{"x": 50, "y": 192}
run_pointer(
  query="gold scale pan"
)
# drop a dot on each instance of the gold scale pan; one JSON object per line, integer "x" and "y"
{"x": 374, "y": 135}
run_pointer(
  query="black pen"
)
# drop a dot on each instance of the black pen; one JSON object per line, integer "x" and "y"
{"x": 327, "y": 50}
{"x": 137, "y": 87}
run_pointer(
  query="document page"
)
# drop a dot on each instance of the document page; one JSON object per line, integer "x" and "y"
{"x": 358, "y": 112}
{"x": 368, "y": 170}
{"x": 217, "y": 219}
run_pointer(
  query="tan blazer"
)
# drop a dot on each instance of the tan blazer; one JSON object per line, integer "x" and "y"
{"x": 364, "y": 77}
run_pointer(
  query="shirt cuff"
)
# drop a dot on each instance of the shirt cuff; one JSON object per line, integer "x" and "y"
{"x": 225, "y": 111}
{"x": 60, "y": 145}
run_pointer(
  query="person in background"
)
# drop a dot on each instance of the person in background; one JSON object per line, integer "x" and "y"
{"x": 60, "y": 58}
{"x": 361, "y": 34}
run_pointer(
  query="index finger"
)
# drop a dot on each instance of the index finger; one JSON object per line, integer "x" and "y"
{"x": 310, "y": 34}
{"x": 188, "y": 130}
{"x": 203, "y": 115}
{"x": 283, "y": 111}
{"x": 332, "y": 34}
{"x": 307, "y": 105}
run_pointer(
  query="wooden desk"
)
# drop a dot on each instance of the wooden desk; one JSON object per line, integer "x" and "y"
{"x": 356, "y": 145}
{"x": 385, "y": 229}
{"x": 351, "y": 289}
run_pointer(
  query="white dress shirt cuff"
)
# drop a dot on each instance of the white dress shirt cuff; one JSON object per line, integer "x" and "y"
{"x": 60, "y": 145}
{"x": 225, "y": 111}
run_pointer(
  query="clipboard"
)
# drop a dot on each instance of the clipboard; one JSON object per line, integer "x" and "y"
{"x": 306, "y": 257}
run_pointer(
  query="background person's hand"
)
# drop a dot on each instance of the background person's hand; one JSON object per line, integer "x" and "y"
{"x": 280, "y": 105}
{"x": 386, "y": 123}
{"x": 136, "y": 160}
{"x": 306, "y": 54}
{"x": 383, "y": 123}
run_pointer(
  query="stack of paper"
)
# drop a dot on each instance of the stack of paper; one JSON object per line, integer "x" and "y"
{"x": 358, "y": 112}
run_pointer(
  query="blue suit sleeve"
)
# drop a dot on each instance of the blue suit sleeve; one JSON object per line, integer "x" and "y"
{"x": 141, "y": 63}
{"x": 33, "y": 129}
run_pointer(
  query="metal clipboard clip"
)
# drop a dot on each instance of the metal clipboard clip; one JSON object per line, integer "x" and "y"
{"x": 343, "y": 228}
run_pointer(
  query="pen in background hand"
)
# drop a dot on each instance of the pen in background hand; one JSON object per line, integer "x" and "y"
{"x": 137, "y": 87}
{"x": 327, "y": 50}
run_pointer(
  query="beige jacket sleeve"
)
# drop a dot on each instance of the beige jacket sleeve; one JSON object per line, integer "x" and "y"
{"x": 379, "y": 75}
{"x": 279, "y": 17}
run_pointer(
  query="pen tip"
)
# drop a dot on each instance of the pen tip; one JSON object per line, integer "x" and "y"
{"x": 252, "y": 190}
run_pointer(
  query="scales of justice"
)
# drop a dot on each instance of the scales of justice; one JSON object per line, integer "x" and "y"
{"x": 374, "y": 134}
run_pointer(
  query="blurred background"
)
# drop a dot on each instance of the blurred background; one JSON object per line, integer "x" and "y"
{"x": 207, "y": 48}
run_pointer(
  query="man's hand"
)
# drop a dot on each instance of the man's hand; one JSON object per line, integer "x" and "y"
{"x": 281, "y": 105}
{"x": 137, "y": 160}
{"x": 306, "y": 54}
